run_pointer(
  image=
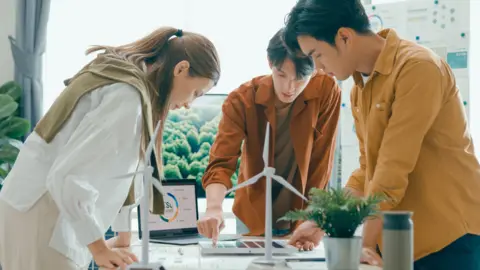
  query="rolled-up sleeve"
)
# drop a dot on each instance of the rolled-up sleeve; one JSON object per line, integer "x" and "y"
{"x": 77, "y": 177}
{"x": 418, "y": 99}
{"x": 226, "y": 150}
{"x": 123, "y": 220}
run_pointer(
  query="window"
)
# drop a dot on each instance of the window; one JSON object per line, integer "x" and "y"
{"x": 239, "y": 29}
{"x": 76, "y": 25}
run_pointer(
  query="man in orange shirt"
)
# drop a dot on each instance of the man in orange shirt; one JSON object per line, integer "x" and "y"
{"x": 303, "y": 110}
{"x": 415, "y": 146}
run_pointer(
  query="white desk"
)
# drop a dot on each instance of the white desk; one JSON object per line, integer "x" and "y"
{"x": 191, "y": 259}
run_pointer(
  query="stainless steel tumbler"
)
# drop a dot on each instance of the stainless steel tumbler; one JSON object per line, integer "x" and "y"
{"x": 397, "y": 253}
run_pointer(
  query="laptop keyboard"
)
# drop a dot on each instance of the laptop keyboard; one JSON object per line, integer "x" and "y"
{"x": 246, "y": 244}
{"x": 192, "y": 236}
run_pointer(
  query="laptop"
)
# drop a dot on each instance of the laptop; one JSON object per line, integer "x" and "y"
{"x": 178, "y": 225}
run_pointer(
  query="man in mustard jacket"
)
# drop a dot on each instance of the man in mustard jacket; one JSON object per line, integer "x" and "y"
{"x": 415, "y": 146}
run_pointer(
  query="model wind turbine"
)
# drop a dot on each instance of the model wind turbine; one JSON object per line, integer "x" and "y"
{"x": 269, "y": 173}
{"x": 148, "y": 179}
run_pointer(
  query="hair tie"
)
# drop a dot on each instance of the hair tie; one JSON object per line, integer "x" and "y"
{"x": 179, "y": 33}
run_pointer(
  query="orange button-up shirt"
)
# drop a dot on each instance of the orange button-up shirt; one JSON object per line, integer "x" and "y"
{"x": 313, "y": 125}
{"x": 415, "y": 146}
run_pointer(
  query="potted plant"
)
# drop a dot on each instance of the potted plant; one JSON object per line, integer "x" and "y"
{"x": 338, "y": 214}
{"x": 12, "y": 127}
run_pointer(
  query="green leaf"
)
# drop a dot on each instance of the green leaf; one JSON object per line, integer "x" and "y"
{"x": 3, "y": 173}
{"x": 12, "y": 89}
{"x": 15, "y": 127}
{"x": 8, "y": 106}
{"x": 295, "y": 215}
{"x": 337, "y": 212}
{"x": 8, "y": 153}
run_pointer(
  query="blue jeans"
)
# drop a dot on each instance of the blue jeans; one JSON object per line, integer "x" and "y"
{"x": 462, "y": 254}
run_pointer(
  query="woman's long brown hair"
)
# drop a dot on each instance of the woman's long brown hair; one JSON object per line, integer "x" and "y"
{"x": 157, "y": 54}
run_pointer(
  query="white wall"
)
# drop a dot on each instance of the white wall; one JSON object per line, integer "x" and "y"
{"x": 7, "y": 27}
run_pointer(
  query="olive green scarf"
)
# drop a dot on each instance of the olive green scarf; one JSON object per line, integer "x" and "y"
{"x": 102, "y": 71}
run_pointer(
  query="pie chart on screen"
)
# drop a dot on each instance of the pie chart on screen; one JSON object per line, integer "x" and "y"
{"x": 171, "y": 208}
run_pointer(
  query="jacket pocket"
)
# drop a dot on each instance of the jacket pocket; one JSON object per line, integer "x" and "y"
{"x": 381, "y": 106}
{"x": 380, "y": 114}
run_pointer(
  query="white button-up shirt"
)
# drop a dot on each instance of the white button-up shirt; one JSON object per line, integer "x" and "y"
{"x": 100, "y": 140}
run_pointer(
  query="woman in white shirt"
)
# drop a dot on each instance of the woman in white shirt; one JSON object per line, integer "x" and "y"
{"x": 62, "y": 195}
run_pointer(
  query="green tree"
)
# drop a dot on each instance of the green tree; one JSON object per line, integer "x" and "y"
{"x": 167, "y": 132}
{"x": 196, "y": 157}
{"x": 169, "y": 158}
{"x": 208, "y": 128}
{"x": 170, "y": 147}
{"x": 184, "y": 168}
{"x": 172, "y": 172}
{"x": 183, "y": 148}
{"x": 205, "y": 147}
{"x": 193, "y": 140}
{"x": 176, "y": 135}
{"x": 205, "y": 159}
{"x": 200, "y": 155}
{"x": 186, "y": 126}
{"x": 195, "y": 120}
{"x": 206, "y": 137}
{"x": 175, "y": 116}
{"x": 196, "y": 168}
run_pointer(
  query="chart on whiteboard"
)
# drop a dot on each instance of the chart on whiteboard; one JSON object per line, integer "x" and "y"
{"x": 387, "y": 16}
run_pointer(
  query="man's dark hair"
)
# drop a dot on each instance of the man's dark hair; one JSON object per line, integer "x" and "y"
{"x": 277, "y": 54}
{"x": 321, "y": 20}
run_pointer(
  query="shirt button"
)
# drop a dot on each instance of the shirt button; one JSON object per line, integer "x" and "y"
{"x": 358, "y": 109}
{"x": 378, "y": 106}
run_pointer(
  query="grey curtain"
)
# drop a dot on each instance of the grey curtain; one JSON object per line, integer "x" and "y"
{"x": 28, "y": 47}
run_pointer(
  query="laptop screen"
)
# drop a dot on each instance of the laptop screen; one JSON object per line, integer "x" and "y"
{"x": 181, "y": 211}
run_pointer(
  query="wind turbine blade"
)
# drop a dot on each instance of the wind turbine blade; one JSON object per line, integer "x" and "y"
{"x": 151, "y": 144}
{"x": 157, "y": 184}
{"x": 266, "y": 145}
{"x": 284, "y": 183}
{"x": 250, "y": 181}
{"x": 127, "y": 175}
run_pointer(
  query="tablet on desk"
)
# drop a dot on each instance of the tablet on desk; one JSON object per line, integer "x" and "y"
{"x": 244, "y": 247}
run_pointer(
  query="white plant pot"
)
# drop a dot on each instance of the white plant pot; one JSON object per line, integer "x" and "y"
{"x": 343, "y": 253}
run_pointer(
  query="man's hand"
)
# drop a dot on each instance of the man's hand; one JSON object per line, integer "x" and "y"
{"x": 306, "y": 236}
{"x": 370, "y": 256}
{"x": 211, "y": 224}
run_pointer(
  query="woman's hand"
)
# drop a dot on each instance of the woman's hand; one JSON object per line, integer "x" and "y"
{"x": 108, "y": 258}
{"x": 122, "y": 240}
{"x": 114, "y": 258}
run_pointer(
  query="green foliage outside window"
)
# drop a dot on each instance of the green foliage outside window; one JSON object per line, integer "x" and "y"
{"x": 188, "y": 137}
